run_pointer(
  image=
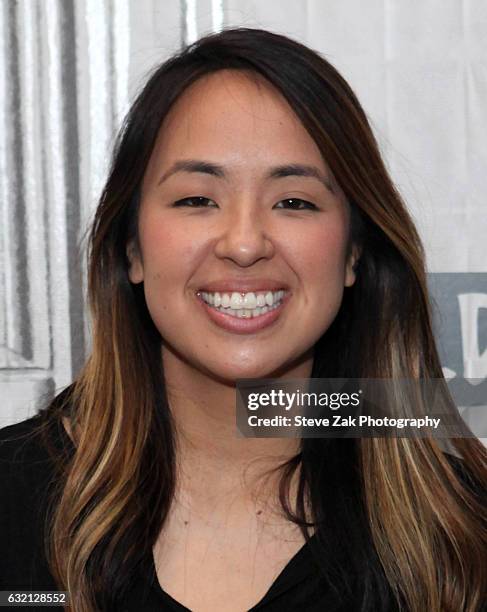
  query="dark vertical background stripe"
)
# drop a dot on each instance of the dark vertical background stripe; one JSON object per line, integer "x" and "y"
{"x": 19, "y": 195}
{"x": 72, "y": 181}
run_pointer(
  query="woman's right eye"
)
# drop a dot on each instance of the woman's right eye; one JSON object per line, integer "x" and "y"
{"x": 194, "y": 202}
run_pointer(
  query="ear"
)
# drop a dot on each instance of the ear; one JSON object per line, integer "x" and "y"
{"x": 136, "y": 269}
{"x": 350, "y": 270}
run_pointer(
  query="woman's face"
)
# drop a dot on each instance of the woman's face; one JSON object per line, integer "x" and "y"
{"x": 237, "y": 201}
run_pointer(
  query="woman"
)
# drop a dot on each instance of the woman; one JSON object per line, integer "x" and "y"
{"x": 246, "y": 167}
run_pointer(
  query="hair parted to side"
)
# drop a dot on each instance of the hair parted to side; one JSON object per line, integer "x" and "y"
{"x": 427, "y": 532}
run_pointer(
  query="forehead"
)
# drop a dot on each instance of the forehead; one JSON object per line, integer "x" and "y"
{"x": 236, "y": 115}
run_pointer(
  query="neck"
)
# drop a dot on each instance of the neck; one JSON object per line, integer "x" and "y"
{"x": 203, "y": 410}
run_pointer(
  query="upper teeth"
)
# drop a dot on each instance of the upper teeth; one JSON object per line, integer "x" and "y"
{"x": 237, "y": 301}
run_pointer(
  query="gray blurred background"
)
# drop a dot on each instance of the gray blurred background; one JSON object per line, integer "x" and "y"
{"x": 68, "y": 71}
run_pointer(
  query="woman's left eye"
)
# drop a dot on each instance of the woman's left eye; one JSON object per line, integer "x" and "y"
{"x": 295, "y": 204}
{"x": 194, "y": 202}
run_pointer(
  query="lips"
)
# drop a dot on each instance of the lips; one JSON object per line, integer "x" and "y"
{"x": 243, "y": 325}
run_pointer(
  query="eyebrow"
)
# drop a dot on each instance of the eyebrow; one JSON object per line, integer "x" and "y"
{"x": 276, "y": 172}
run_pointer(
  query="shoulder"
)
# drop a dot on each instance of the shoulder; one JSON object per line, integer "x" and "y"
{"x": 36, "y": 441}
{"x": 28, "y": 446}
{"x": 28, "y": 475}
{"x": 23, "y": 468}
{"x": 21, "y": 446}
{"x": 13, "y": 437}
{"x": 27, "y": 465}
{"x": 31, "y": 453}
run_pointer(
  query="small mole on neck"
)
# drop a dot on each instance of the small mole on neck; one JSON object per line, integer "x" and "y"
{"x": 186, "y": 522}
{"x": 259, "y": 511}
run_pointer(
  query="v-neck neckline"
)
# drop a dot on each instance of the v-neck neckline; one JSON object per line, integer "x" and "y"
{"x": 295, "y": 569}
{"x": 294, "y": 572}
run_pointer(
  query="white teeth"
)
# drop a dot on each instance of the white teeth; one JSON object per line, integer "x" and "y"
{"x": 250, "y": 301}
{"x": 236, "y": 301}
{"x": 245, "y": 305}
{"x": 243, "y": 313}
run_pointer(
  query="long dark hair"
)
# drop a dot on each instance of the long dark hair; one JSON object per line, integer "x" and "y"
{"x": 394, "y": 523}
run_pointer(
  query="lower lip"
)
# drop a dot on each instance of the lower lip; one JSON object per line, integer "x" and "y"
{"x": 241, "y": 325}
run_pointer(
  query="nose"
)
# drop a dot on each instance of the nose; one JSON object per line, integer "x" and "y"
{"x": 243, "y": 236}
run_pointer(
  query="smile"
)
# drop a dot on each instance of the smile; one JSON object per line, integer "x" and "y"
{"x": 244, "y": 305}
{"x": 244, "y": 312}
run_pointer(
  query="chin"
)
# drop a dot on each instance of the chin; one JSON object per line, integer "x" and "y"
{"x": 231, "y": 374}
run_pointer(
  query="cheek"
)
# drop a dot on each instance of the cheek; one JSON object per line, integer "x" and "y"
{"x": 169, "y": 257}
{"x": 320, "y": 255}
{"x": 321, "y": 261}
{"x": 169, "y": 254}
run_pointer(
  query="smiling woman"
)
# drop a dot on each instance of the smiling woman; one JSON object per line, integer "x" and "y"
{"x": 248, "y": 229}
{"x": 223, "y": 223}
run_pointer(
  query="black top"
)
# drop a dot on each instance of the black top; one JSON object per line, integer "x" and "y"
{"x": 27, "y": 474}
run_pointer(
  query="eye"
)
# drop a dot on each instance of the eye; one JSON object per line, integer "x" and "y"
{"x": 295, "y": 204}
{"x": 194, "y": 202}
